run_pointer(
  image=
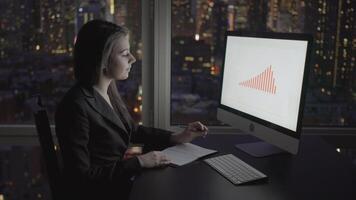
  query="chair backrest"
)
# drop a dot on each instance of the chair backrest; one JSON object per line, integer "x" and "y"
{"x": 48, "y": 148}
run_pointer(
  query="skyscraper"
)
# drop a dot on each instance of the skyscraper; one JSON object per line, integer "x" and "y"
{"x": 334, "y": 26}
{"x": 333, "y": 84}
{"x": 184, "y": 21}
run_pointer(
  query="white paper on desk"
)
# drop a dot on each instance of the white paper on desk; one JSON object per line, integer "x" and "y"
{"x": 185, "y": 153}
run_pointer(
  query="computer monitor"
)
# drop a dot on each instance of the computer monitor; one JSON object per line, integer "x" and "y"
{"x": 263, "y": 88}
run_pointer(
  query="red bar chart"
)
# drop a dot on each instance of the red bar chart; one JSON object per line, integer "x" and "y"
{"x": 263, "y": 82}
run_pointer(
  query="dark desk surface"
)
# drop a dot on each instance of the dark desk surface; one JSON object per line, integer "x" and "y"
{"x": 317, "y": 172}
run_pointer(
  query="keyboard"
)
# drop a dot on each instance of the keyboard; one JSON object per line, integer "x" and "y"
{"x": 235, "y": 170}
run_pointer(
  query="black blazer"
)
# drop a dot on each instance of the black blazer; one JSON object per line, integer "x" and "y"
{"x": 93, "y": 140}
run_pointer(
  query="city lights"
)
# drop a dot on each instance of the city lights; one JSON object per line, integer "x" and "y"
{"x": 189, "y": 58}
{"x": 197, "y": 37}
{"x": 112, "y": 7}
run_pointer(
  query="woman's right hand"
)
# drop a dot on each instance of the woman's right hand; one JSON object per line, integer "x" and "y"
{"x": 153, "y": 159}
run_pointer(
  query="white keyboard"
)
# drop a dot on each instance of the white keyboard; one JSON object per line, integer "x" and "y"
{"x": 234, "y": 169}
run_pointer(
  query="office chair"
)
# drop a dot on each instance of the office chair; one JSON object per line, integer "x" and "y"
{"x": 53, "y": 168}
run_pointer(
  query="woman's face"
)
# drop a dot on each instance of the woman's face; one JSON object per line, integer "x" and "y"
{"x": 121, "y": 59}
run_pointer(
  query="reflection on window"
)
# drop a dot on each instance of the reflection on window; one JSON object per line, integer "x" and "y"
{"x": 198, "y": 28}
{"x": 36, "y": 48}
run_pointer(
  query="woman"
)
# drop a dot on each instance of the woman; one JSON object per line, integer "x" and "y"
{"x": 93, "y": 125}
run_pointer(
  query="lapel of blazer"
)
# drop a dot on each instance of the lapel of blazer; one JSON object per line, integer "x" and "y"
{"x": 99, "y": 104}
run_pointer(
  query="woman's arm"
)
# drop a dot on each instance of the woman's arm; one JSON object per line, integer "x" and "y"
{"x": 153, "y": 138}
{"x": 192, "y": 131}
{"x": 158, "y": 138}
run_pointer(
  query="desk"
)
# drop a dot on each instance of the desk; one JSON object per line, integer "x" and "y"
{"x": 317, "y": 172}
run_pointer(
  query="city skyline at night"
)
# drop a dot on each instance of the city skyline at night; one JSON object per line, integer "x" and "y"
{"x": 47, "y": 39}
{"x": 331, "y": 95}
{"x": 36, "y": 50}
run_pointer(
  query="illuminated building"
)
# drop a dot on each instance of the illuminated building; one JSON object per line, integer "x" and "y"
{"x": 89, "y": 10}
{"x": 220, "y": 25}
{"x": 52, "y": 27}
{"x": 333, "y": 25}
{"x": 257, "y": 15}
{"x": 183, "y": 18}
{"x": 286, "y": 15}
{"x": 344, "y": 68}
{"x": 273, "y": 13}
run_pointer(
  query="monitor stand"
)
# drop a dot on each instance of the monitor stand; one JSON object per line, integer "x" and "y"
{"x": 259, "y": 149}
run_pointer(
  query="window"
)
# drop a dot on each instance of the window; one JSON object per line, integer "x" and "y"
{"x": 36, "y": 52}
{"x": 197, "y": 42}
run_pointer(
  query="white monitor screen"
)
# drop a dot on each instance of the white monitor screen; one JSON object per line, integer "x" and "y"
{"x": 263, "y": 77}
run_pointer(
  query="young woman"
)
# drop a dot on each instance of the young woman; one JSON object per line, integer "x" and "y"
{"x": 93, "y": 126}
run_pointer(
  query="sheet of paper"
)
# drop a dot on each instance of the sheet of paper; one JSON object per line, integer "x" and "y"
{"x": 185, "y": 153}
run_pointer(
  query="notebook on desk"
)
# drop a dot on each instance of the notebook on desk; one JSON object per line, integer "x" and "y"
{"x": 185, "y": 153}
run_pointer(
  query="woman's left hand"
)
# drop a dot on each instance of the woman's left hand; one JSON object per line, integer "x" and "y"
{"x": 193, "y": 130}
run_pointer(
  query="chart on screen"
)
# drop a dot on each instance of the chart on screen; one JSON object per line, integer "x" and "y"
{"x": 264, "y": 82}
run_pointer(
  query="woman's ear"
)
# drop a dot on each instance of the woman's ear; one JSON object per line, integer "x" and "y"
{"x": 105, "y": 71}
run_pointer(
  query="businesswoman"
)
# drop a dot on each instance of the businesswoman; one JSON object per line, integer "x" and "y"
{"x": 93, "y": 126}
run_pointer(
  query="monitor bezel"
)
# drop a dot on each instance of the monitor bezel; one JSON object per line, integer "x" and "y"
{"x": 272, "y": 35}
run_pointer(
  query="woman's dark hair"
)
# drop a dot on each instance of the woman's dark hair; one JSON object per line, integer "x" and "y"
{"x": 89, "y": 48}
{"x": 92, "y": 51}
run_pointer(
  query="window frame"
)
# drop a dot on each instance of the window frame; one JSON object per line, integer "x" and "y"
{"x": 19, "y": 134}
